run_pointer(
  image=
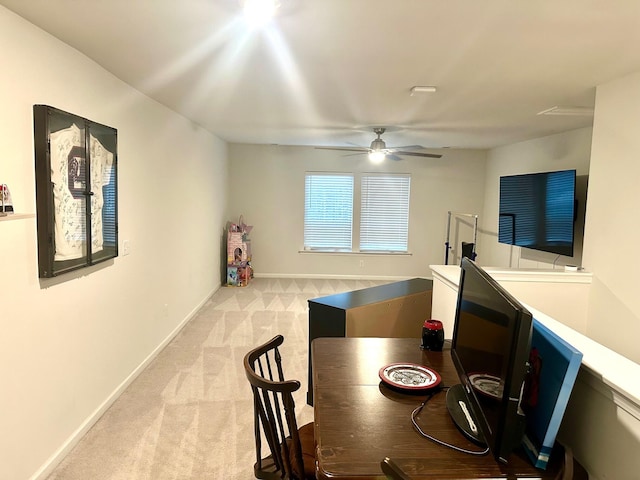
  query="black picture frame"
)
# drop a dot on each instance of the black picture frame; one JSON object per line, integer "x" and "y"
{"x": 76, "y": 163}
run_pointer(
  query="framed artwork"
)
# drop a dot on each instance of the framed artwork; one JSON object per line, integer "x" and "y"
{"x": 76, "y": 191}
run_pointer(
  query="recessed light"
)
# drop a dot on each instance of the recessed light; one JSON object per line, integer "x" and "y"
{"x": 570, "y": 111}
{"x": 422, "y": 89}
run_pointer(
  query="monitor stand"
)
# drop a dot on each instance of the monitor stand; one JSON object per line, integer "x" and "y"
{"x": 462, "y": 415}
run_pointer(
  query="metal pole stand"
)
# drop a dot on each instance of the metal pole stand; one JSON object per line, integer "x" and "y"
{"x": 447, "y": 244}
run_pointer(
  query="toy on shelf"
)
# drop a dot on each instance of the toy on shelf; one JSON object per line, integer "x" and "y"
{"x": 6, "y": 205}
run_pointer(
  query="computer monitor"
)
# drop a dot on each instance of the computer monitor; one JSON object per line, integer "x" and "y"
{"x": 490, "y": 349}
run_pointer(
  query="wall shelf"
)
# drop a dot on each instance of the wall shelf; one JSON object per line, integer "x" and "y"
{"x": 17, "y": 216}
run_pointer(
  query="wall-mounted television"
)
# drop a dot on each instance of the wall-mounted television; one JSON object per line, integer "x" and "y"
{"x": 538, "y": 211}
{"x": 490, "y": 349}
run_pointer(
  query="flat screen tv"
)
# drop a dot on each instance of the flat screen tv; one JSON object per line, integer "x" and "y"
{"x": 538, "y": 211}
{"x": 490, "y": 349}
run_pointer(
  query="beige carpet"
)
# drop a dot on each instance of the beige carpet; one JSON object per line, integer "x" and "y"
{"x": 189, "y": 414}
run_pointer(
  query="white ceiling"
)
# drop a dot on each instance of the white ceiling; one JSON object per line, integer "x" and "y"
{"x": 327, "y": 71}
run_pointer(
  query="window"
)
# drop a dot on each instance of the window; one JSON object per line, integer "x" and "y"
{"x": 328, "y": 211}
{"x": 384, "y": 213}
{"x": 382, "y": 223}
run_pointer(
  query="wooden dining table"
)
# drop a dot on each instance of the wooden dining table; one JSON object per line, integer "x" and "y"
{"x": 360, "y": 420}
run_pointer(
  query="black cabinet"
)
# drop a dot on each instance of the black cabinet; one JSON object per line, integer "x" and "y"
{"x": 396, "y": 309}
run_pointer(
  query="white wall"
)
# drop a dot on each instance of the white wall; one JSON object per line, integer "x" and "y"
{"x": 68, "y": 345}
{"x": 613, "y": 225}
{"x": 570, "y": 150}
{"x": 267, "y": 188}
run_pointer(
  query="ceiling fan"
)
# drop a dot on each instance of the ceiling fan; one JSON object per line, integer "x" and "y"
{"x": 378, "y": 150}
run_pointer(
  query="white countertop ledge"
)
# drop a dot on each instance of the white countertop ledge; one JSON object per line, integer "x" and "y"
{"x": 605, "y": 366}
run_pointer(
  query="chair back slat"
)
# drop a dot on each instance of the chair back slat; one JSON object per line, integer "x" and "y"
{"x": 274, "y": 412}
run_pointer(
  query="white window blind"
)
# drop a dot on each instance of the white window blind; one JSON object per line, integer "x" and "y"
{"x": 384, "y": 217}
{"x": 328, "y": 211}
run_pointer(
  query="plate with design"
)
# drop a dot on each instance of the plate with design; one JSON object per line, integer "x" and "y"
{"x": 409, "y": 376}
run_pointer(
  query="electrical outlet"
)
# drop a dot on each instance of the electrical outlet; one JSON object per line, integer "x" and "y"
{"x": 126, "y": 247}
{"x": 361, "y": 263}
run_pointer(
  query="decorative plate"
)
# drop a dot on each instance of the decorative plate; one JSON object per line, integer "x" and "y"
{"x": 486, "y": 384}
{"x": 409, "y": 376}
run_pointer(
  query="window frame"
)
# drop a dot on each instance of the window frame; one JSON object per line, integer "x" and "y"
{"x": 395, "y": 207}
{"x": 313, "y": 233}
{"x": 356, "y": 214}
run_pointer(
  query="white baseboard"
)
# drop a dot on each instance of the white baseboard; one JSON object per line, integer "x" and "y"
{"x": 52, "y": 462}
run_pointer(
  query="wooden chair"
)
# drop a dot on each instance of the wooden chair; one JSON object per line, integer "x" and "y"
{"x": 292, "y": 450}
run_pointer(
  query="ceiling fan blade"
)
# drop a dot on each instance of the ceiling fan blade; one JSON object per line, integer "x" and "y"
{"x": 345, "y": 149}
{"x": 408, "y": 147}
{"x": 418, "y": 154}
{"x": 391, "y": 153}
{"x": 355, "y": 154}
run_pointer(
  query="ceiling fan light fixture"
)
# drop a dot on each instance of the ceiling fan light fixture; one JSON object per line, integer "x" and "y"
{"x": 259, "y": 12}
{"x": 422, "y": 89}
{"x": 568, "y": 111}
{"x": 376, "y": 156}
{"x": 377, "y": 145}
{"x": 379, "y": 151}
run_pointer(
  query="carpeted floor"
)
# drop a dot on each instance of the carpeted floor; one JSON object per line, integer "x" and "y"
{"x": 189, "y": 414}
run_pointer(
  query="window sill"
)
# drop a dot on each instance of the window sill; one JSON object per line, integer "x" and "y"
{"x": 338, "y": 252}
